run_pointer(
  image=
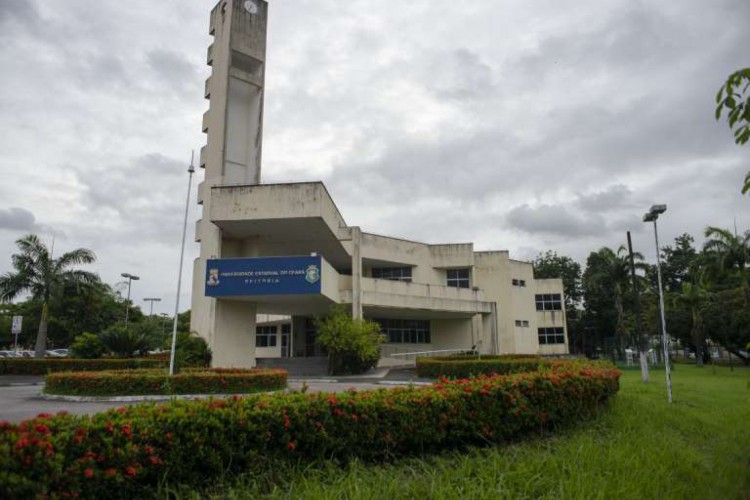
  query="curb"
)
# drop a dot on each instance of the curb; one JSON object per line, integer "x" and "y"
{"x": 144, "y": 397}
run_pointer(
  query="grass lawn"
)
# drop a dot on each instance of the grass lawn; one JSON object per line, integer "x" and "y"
{"x": 640, "y": 448}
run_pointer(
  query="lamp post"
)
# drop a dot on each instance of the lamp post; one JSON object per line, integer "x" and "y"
{"x": 131, "y": 278}
{"x": 651, "y": 216}
{"x": 191, "y": 170}
{"x": 151, "y": 311}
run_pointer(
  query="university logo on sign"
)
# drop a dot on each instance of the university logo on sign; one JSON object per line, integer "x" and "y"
{"x": 312, "y": 274}
{"x": 213, "y": 277}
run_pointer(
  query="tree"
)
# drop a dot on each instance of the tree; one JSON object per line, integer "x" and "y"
{"x": 734, "y": 96}
{"x": 44, "y": 278}
{"x": 605, "y": 284}
{"x": 728, "y": 259}
{"x": 693, "y": 298}
{"x": 353, "y": 345}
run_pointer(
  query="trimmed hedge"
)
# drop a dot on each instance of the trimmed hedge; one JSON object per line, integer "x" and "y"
{"x": 128, "y": 452}
{"x": 470, "y": 366}
{"x": 31, "y": 366}
{"x": 139, "y": 382}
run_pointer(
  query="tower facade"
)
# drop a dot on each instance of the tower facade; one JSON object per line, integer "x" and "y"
{"x": 233, "y": 125}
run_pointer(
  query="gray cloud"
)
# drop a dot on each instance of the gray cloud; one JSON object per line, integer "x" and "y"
{"x": 18, "y": 219}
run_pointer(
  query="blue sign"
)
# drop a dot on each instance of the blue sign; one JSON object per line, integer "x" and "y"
{"x": 263, "y": 276}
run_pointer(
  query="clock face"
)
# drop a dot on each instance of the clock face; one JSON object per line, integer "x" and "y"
{"x": 251, "y": 7}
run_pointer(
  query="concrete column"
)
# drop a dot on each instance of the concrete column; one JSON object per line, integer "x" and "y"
{"x": 234, "y": 335}
{"x": 356, "y": 273}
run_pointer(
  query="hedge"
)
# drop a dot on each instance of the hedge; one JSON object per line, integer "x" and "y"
{"x": 31, "y": 366}
{"x": 129, "y": 452}
{"x": 468, "y": 366}
{"x": 139, "y": 382}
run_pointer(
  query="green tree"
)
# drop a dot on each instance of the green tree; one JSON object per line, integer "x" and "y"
{"x": 45, "y": 278}
{"x": 693, "y": 299}
{"x": 727, "y": 258}
{"x": 734, "y": 97}
{"x": 353, "y": 345}
{"x": 606, "y": 282}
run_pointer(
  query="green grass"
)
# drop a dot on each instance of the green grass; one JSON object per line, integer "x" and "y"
{"x": 640, "y": 447}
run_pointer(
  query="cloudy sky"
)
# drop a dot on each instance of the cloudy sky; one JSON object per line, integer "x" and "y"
{"x": 523, "y": 125}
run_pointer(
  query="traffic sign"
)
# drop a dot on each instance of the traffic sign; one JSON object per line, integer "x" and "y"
{"x": 16, "y": 327}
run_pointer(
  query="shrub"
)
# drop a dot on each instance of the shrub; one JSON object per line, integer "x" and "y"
{"x": 31, "y": 366}
{"x": 192, "y": 350}
{"x": 138, "y": 382}
{"x": 127, "y": 452}
{"x": 87, "y": 346}
{"x": 353, "y": 345}
{"x": 465, "y": 366}
{"x": 138, "y": 337}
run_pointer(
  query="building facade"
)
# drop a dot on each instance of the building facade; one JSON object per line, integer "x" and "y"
{"x": 275, "y": 256}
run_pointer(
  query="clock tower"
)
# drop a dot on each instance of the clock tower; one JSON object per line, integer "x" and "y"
{"x": 233, "y": 125}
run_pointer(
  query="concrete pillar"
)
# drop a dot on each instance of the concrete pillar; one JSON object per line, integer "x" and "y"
{"x": 234, "y": 335}
{"x": 356, "y": 273}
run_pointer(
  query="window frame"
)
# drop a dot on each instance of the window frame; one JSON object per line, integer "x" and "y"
{"x": 457, "y": 280}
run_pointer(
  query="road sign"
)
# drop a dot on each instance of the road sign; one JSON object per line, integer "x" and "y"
{"x": 16, "y": 328}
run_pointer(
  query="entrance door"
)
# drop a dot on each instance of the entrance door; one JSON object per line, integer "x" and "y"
{"x": 312, "y": 348}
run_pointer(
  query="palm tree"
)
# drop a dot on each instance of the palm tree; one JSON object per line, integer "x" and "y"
{"x": 729, "y": 256}
{"x": 613, "y": 272}
{"x": 692, "y": 298}
{"x": 44, "y": 278}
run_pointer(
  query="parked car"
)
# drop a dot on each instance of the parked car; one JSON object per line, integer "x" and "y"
{"x": 57, "y": 353}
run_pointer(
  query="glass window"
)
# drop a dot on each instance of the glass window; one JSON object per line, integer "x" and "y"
{"x": 405, "y": 331}
{"x": 549, "y": 302}
{"x": 458, "y": 278}
{"x": 551, "y": 335}
{"x": 522, "y": 323}
{"x": 392, "y": 273}
{"x": 265, "y": 336}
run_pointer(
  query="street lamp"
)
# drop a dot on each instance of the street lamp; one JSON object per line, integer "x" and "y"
{"x": 651, "y": 216}
{"x": 152, "y": 300}
{"x": 131, "y": 278}
{"x": 191, "y": 170}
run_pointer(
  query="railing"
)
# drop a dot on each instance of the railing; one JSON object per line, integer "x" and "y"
{"x": 412, "y": 355}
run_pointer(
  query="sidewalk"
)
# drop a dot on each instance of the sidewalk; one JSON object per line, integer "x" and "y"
{"x": 16, "y": 380}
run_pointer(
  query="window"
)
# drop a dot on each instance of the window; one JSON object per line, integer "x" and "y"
{"x": 405, "y": 331}
{"x": 522, "y": 323}
{"x": 549, "y": 302}
{"x": 392, "y": 273}
{"x": 551, "y": 335}
{"x": 458, "y": 278}
{"x": 517, "y": 282}
{"x": 265, "y": 336}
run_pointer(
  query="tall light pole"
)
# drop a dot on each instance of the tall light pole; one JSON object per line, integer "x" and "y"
{"x": 651, "y": 216}
{"x": 151, "y": 311}
{"x": 131, "y": 278}
{"x": 191, "y": 170}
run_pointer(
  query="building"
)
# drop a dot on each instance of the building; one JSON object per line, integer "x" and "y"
{"x": 273, "y": 256}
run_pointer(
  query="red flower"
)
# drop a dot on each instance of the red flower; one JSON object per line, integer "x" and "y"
{"x": 291, "y": 445}
{"x": 110, "y": 471}
{"x": 42, "y": 429}
{"x": 126, "y": 430}
{"x": 286, "y": 422}
{"x": 88, "y": 472}
{"x": 130, "y": 471}
{"x": 154, "y": 460}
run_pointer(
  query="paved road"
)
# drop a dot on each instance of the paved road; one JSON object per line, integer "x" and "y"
{"x": 19, "y": 402}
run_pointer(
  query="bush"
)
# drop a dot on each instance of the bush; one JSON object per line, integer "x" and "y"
{"x": 137, "y": 338}
{"x": 139, "y": 382}
{"x": 31, "y": 366}
{"x": 353, "y": 345}
{"x": 87, "y": 346}
{"x": 192, "y": 350}
{"x": 466, "y": 366}
{"x": 126, "y": 453}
